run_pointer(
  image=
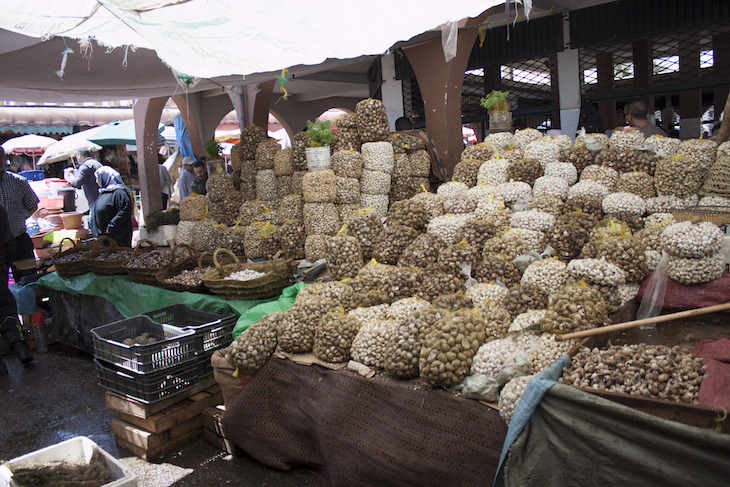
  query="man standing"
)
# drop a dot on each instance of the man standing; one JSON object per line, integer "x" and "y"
{"x": 201, "y": 177}
{"x": 186, "y": 177}
{"x": 635, "y": 112}
{"x": 85, "y": 179}
{"x": 19, "y": 202}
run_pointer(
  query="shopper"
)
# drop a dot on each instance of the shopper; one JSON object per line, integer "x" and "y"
{"x": 636, "y": 115}
{"x": 9, "y": 324}
{"x": 165, "y": 181}
{"x": 201, "y": 177}
{"x": 186, "y": 177}
{"x": 85, "y": 180}
{"x": 19, "y": 201}
{"x": 113, "y": 209}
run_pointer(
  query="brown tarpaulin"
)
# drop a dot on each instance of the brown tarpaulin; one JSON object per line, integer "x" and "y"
{"x": 351, "y": 431}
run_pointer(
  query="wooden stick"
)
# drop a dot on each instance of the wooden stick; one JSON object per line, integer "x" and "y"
{"x": 722, "y": 135}
{"x": 646, "y": 321}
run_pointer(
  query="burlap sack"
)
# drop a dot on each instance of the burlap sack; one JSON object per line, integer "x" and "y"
{"x": 223, "y": 371}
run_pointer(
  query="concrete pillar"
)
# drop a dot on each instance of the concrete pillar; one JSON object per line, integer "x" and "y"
{"x": 690, "y": 102}
{"x": 440, "y": 83}
{"x": 392, "y": 90}
{"x": 642, "y": 57}
{"x": 147, "y": 113}
{"x": 607, "y": 109}
{"x": 568, "y": 74}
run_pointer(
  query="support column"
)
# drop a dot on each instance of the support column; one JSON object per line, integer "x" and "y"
{"x": 147, "y": 114}
{"x": 607, "y": 109}
{"x": 568, "y": 74}
{"x": 392, "y": 90}
{"x": 441, "y": 83}
{"x": 186, "y": 112}
{"x": 690, "y": 102}
{"x": 262, "y": 103}
{"x": 252, "y": 104}
{"x": 554, "y": 92}
{"x": 721, "y": 67}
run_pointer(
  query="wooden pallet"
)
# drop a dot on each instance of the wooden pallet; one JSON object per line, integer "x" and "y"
{"x": 213, "y": 431}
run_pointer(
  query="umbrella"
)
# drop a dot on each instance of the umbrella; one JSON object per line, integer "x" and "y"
{"x": 114, "y": 133}
{"x": 65, "y": 148}
{"x": 30, "y": 144}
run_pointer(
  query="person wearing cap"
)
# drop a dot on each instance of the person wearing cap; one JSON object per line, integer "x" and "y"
{"x": 186, "y": 177}
{"x": 86, "y": 181}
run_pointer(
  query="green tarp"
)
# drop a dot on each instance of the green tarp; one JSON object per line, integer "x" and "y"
{"x": 132, "y": 299}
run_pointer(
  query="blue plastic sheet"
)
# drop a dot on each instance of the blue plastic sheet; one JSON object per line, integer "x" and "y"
{"x": 24, "y": 297}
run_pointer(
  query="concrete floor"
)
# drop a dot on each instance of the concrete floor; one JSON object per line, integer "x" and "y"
{"x": 57, "y": 398}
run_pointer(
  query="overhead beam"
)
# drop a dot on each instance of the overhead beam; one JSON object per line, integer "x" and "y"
{"x": 333, "y": 76}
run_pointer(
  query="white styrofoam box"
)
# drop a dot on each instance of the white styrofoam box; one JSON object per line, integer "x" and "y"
{"x": 75, "y": 450}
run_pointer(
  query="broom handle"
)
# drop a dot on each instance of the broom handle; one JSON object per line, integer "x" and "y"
{"x": 646, "y": 321}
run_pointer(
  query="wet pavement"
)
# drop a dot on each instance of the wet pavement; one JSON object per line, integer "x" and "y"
{"x": 56, "y": 398}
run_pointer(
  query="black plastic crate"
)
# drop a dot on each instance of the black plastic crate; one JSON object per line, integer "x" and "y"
{"x": 174, "y": 345}
{"x": 148, "y": 388}
{"x": 204, "y": 367}
{"x": 212, "y": 331}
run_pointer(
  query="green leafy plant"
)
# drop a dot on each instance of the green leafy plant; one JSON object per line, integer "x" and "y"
{"x": 496, "y": 101}
{"x": 320, "y": 133}
{"x": 212, "y": 149}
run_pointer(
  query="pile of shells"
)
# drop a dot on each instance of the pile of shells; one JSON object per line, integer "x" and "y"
{"x": 266, "y": 185}
{"x": 548, "y": 274}
{"x": 510, "y": 395}
{"x": 511, "y": 192}
{"x": 593, "y": 142}
{"x": 265, "y": 152}
{"x": 299, "y": 147}
{"x": 574, "y": 308}
{"x": 320, "y": 187}
{"x": 716, "y": 201}
{"x": 664, "y": 204}
{"x": 378, "y": 156}
{"x": 321, "y": 219}
{"x": 447, "y": 226}
{"x": 450, "y": 346}
{"x": 640, "y": 370}
{"x": 369, "y": 345}
{"x": 460, "y": 259}
{"x": 525, "y": 170}
{"x": 153, "y": 259}
{"x": 527, "y": 320}
{"x": 623, "y": 138}
{"x": 589, "y": 189}
{"x": 334, "y": 336}
{"x": 624, "y": 202}
{"x": 236, "y": 240}
{"x": 585, "y": 204}
{"x": 193, "y": 208}
{"x": 284, "y": 162}
{"x": 662, "y": 146}
{"x": 544, "y": 150}
{"x": 292, "y": 238}
{"x": 567, "y": 241}
{"x": 596, "y": 271}
{"x": 495, "y": 268}
{"x": 377, "y": 202}
{"x": 579, "y": 157}
{"x": 244, "y": 275}
{"x": 191, "y": 277}
{"x": 678, "y": 176}
{"x": 391, "y": 243}
{"x": 489, "y": 204}
{"x": 460, "y": 204}
{"x": 409, "y": 213}
{"x": 547, "y": 203}
{"x": 522, "y": 298}
{"x": 627, "y": 291}
{"x": 638, "y": 183}
{"x": 364, "y": 225}
{"x": 551, "y": 185}
{"x": 372, "y": 120}
{"x": 403, "y": 350}
{"x": 525, "y": 136}
{"x": 690, "y": 271}
{"x": 627, "y": 252}
{"x": 661, "y": 220}
{"x": 252, "y": 348}
{"x": 690, "y": 240}
{"x": 476, "y": 233}
{"x": 438, "y": 284}
{"x": 344, "y": 257}
{"x": 701, "y": 150}
{"x": 564, "y": 170}
{"x": 532, "y": 220}
{"x": 500, "y": 140}
{"x": 432, "y": 202}
{"x": 298, "y": 326}
{"x": 291, "y": 207}
{"x": 493, "y": 172}
{"x": 347, "y": 164}
{"x": 503, "y": 355}
{"x": 600, "y": 174}
{"x": 261, "y": 240}
{"x": 477, "y": 293}
{"x": 422, "y": 252}
{"x": 466, "y": 171}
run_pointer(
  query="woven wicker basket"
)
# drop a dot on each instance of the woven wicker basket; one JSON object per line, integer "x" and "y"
{"x": 143, "y": 275}
{"x": 719, "y": 216}
{"x": 175, "y": 267}
{"x": 106, "y": 267}
{"x": 278, "y": 273}
{"x": 71, "y": 269}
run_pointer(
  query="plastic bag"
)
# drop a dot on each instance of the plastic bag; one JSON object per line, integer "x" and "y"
{"x": 522, "y": 261}
{"x": 481, "y": 387}
{"x": 653, "y": 299}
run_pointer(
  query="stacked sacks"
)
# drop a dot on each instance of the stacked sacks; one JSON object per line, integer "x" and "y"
{"x": 244, "y": 163}
{"x": 284, "y": 171}
{"x": 346, "y": 137}
{"x": 378, "y": 162}
{"x": 347, "y": 166}
{"x": 693, "y": 251}
{"x": 266, "y": 176}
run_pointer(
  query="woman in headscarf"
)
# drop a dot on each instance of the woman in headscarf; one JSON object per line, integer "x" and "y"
{"x": 113, "y": 209}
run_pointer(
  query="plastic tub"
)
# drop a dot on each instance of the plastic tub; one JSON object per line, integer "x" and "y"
{"x": 75, "y": 450}
{"x": 33, "y": 175}
{"x": 55, "y": 202}
{"x": 72, "y": 220}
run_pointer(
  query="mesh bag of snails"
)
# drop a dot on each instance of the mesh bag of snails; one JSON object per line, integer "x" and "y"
{"x": 344, "y": 257}
{"x": 594, "y": 142}
{"x": 482, "y": 151}
{"x": 447, "y": 226}
{"x": 586, "y": 221}
{"x": 496, "y": 319}
{"x": 510, "y": 395}
{"x": 543, "y": 150}
{"x": 247, "y": 184}
{"x": 624, "y": 203}
{"x": 460, "y": 204}
{"x": 237, "y": 157}
{"x": 348, "y": 190}
{"x": 451, "y": 188}
{"x": 299, "y": 155}
{"x": 609, "y": 227}
{"x": 466, "y": 171}
{"x": 703, "y": 151}
{"x": 480, "y": 291}
{"x": 547, "y": 274}
{"x": 578, "y": 156}
{"x": 403, "y": 188}
{"x": 525, "y": 136}
{"x": 495, "y": 267}
{"x": 576, "y": 307}
{"x": 678, "y": 176}
{"x": 185, "y": 232}
{"x": 513, "y": 192}
{"x": 500, "y": 140}
{"x": 523, "y": 298}
{"x": 600, "y": 174}
{"x": 642, "y": 370}
{"x": 291, "y": 208}
{"x": 636, "y": 182}
{"x": 346, "y": 211}
{"x": 493, "y": 172}
{"x": 252, "y": 348}
{"x": 265, "y": 152}
{"x": 567, "y": 241}
{"x": 422, "y": 252}
{"x": 297, "y": 182}
{"x": 403, "y": 349}
{"x": 504, "y": 359}
{"x": 588, "y": 188}
{"x": 284, "y": 186}
{"x": 334, "y": 336}
{"x": 488, "y": 204}
{"x": 371, "y": 120}
{"x": 623, "y": 138}
{"x": 448, "y": 349}
{"x": 284, "y": 162}
{"x": 203, "y": 238}
{"x": 321, "y": 218}
{"x": 339, "y": 292}
{"x": 627, "y": 252}
{"x": 193, "y": 208}
{"x": 526, "y": 170}
{"x": 563, "y": 170}
{"x": 299, "y": 324}
{"x": 632, "y": 220}
{"x": 320, "y": 187}
{"x": 315, "y": 247}
{"x": 292, "y": 238}
{"x": 391, "y": 243}
{"x": 438, "y": 283}
{"x": 532, "y": 220}
{"x": 227, "y": 210}
{"x": 218, "y": 186}
{"x": 236, "y": 239}
{"x": 434, "y": 203}
{"x": 409, "y": 213}
{"x": 261, "y": 240}
{"x": 266, "y": 185}
{"x": 690, "y": 240}
{"x": 369, "y": 344}
{"x": 585, "y": 204}
{"x": 250, "y": 138}
{"x": 345, "y": 140}
{"x": 476, "y": 232}
{"x": 347, "y": 164}
{"x": 372, "y": 298}
{"x": 460, "y": 258}
{"x": 365, "y": 225}
{"x": 551, "y": 185}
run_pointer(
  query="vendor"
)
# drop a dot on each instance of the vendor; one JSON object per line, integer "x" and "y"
{"x": 201, "y": 177}
{"x": 186, "y": 177}
{"x": 113, "y": 209}
{"x": 636, "y": 115}
{"x": 85, "y": 180}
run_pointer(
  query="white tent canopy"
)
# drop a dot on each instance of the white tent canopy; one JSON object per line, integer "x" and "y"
{"x": 212, "y": 38}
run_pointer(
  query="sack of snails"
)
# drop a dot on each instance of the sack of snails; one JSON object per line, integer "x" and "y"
{"x": 344, "y": 256}
{"x": 193, "y": 207}
{"x": 577, "y": 306}
{"x": 261, "y": 240}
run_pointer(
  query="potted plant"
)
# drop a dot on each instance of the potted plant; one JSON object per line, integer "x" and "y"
{"x": 215, "y": 162}
{"x": 321, "y": 136}
{"x": 500, "y": 117}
